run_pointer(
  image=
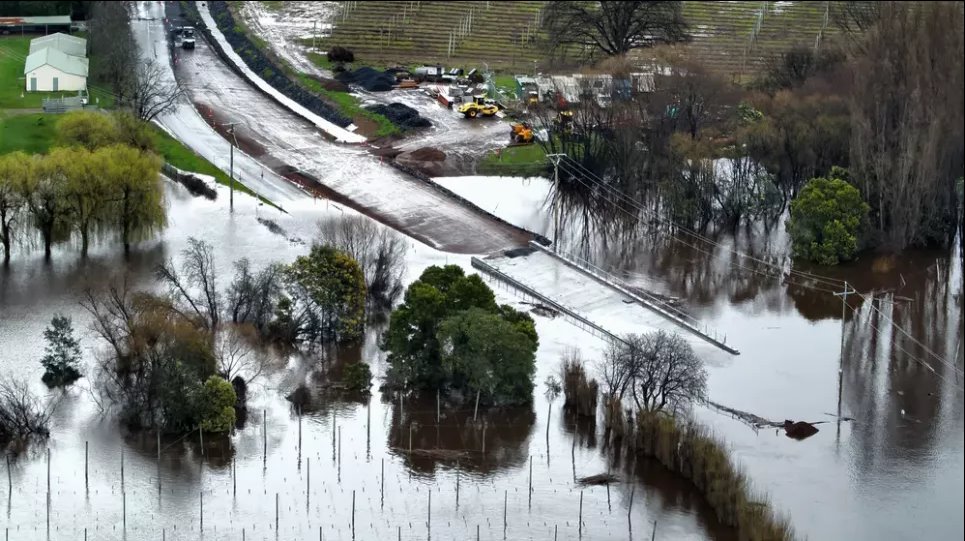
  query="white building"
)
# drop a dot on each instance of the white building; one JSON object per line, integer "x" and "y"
{"x": 64, "y": 43}
{"x": 56, "y": 63}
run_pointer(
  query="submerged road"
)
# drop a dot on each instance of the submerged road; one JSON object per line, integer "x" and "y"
{"x": 284, "y": 142}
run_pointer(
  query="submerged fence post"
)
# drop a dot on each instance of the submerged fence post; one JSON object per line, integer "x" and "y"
{"x": 85, "y": 465}
{"x": 276, "y": 513}
{"x": 457, "y": 484}
{"x": 581, "y": 514}
{"x": 201, "y": 508}
{"x": 505, "y": 501}
{"x": 382, "y": 487}
{"x": 630, "y": 508}
{"x": 530, "y": 481}
{"x": 264, "y": 432}
{"x": 429, "y": 514}
{"x": 353, "y": 513}
{"x": 308, "y": 480}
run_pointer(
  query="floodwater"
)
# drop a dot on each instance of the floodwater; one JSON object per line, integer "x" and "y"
{"x": 313, "y": 476}
{"x": 895, "y": 472}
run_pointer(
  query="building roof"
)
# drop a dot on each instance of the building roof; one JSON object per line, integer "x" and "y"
{"x": 64, "y": 43}
{"x": 46, "y": 19}
{"x": 66, "y": 63}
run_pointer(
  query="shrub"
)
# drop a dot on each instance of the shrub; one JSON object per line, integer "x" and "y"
{"x": 827, "y": 220}
{"x": 357, "y": 377}
{"x": 580, "y": 393}
{"x": 340, "y": 55}
{"x": 216, "y": 405}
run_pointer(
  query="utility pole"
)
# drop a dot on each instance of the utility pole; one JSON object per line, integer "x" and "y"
{"x": 555, "y": 158}
{"x": 232, "y": 141}
{"x": 844, "y": 307}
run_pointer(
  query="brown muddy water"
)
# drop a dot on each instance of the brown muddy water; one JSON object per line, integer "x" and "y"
{"x": 292, "y": 479}
{"x": 896, "y": 471}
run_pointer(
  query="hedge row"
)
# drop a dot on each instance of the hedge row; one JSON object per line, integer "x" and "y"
{"x": 267, "y": 70}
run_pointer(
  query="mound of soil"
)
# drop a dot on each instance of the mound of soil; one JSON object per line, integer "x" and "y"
{"x": 427, "y": 160}
{"x": 428, "y": 154}
{"x": 401, "y": 115}
{"x": 799, "y": 430}
{"x": 370, "y": 79}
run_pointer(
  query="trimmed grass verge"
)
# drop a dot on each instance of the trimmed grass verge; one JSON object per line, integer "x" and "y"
{"x": 185, "y": 159}
{"x": 518, "y": 161}
{"x": 350, "y": 106}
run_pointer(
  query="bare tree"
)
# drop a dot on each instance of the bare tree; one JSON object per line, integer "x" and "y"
{"x": 22, "y": 413}
{"x": 379, "y": 251}
{"x": 252, "y": 297}
{"x": 152, "y": 90}
{"x": 657, "y": 369}
{"x": 614, "y": 28}
{"x": 907, "y": 120}
{"x": 194, "y": 289}
{"x": 111, "y": 41}
{"x": 237, "y": 355}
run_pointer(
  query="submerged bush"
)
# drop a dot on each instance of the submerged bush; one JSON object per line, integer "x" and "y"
{"x": 688, "y": 450}
{"x": 580, "y": 393}
{"x": 357, "y": 377}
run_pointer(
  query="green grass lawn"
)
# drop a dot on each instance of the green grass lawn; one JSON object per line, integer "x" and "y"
{"x": 33, "y": 133}
{"x": 13, "y": 54}
{"x": 523, "y": 160}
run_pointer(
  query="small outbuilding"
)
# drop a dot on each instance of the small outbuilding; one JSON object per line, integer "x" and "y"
{"x": 52, "y": 70}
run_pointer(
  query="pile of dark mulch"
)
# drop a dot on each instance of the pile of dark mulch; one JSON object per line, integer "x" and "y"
{"x": 370, "y": 79}
{"x": 428, "y": 154}
{"x": 401, "y": 115}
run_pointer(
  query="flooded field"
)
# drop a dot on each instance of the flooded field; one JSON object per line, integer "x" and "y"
{"x": 378, "y": 468}
{"x": 296, "y": 459}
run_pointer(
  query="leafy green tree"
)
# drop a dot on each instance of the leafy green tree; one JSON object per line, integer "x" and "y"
{"x": 416, "y": 345}
{"x": 827, "y": 220}
{"x": 216, "y": 405}
{"x": 88, "y": 129}
{"x": 133, "y": 178}
{"x": 328, "y": 297}
{"x": 15, "y": 169}
{"x": 357, "y": 377}
{"x": 61, "y": 354}
{"x": 485, "y": 353}
{"x": 45, "y": 192}
{"x": 86, "y": 192}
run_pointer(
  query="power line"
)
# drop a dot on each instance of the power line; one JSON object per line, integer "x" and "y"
{"x": 910, "y": 355}
{"x": 595, "y": 178}
{"x": 900, "y": 329}
{"x": 685, "y": 243}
